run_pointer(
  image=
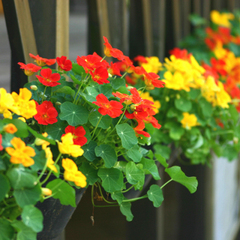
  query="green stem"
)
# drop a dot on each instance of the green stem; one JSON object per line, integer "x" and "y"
{"x": 50, "y": 172}
{"x": 75, "y": 98}
{"x": 127, "y": 189}
{"x": 136, "y": 199}
{"x": 166, "y": 183}
{"x": 94, "y": 130}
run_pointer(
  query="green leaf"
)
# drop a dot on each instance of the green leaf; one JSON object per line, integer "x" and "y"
{"x": 74, "y": 114}
{"x": 194, "y": 93}
{"x": 106, "y": 90}
{"x": 5, "y": 186}
{"x": 118, "y": 196}
{"x": 107, "y": 153}
{"x": 117, "y": 82}
{"x": 179, "y": 176}
{"x": 90, "y": 172}
{"x": 161, "y": 159}
{"x": 33, "y": 218}
{"x": 89, "y": 151}
{"x": 75, "y": 79}
{"x": 127, "y": 135}
{"x": 135, "y": 154}
{"x": 112, "y": 179}
{"x": 125, "y": 208}
{"x": 56, "y": 130}
{"x": 206, "y": 107}
{"x": 64, "y": 192}
{"x": 6, "y": 230}
{"x": 104, "y": 123}
{"x": 77, "y": 69}
{"x": 22, "y": 130}
{"x": 39, "y": 160}
{"x": 21, "y": 177}
{"x": 2, "y": 165}
{"x": 196, "y": 20}
{"x": 135, "y": 175}
{"x": 151, "y": 167}
{"x": 176, "y": 132}
{"x": 155, "y": 194}
{"x": 66, "y": 90}
{"x": 38, "y": 135}
{"x": 163, "y": 150}
{"x": 27, "y": 196}
{"x": 91, "y": 94}
{"x": 24, "y": 232}
{"x": 183, "y": 104}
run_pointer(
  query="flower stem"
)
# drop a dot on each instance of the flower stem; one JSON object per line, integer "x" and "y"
{"x": 166, "y": 183}
{"x": 93, "y": 132}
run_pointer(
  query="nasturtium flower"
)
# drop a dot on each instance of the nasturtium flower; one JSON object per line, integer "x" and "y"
{"x": 222, "y": 19}
{"x": 139, "y": 130}
{"x": 180, "y": 53}
{"x": 7, "y": 114}
{"x": 109, "y": 51}
{"x": 23, "y": 105}
{"x": 48, "y": 78}
{"x": 20, "y": 153}
{"x": 100, "y": 75}
{"x": 29, "y": 69}
{"x": 67, "y": 146}
{"x": 111, "y": 108}
{"x": 156, "y": 105}
{"x": 189, "y": 121}
{"x": 46, "y": 191}
{"x": 72, "y": 174}
{"x": 153, "y": 65}
{"x": 42, "y": 142}
{"x": 78, "y": 134}
{"x": 64, "y": 63}
{"x": 10, "y": 128}
{"x": 49, "y": 157}
{"x": 46, "y": 113}
{"x": 6, "y": 100}
{"x": 42, "y": 61}
{"x": 152, "y": 80}
{"x": 114, "y": 69}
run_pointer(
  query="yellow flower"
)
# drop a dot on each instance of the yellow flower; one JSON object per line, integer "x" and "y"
{"x": 20, "y": 153}
{"x": 6, "y": 100}
{"x": 46, "y": 191}
{"x": 24, "y": 106}
{"x": 72, "y": 174}
{"x": 189, "y": 120}
{"x": 41, "y": 142}
{"x": 156, "y": 105}
{"x": 10, "y": 128}
{"x": 49, "y": 157}
{"x": 221, "y": 18}
{"x": 7, "y": 114}
{"x": 67, "y": 146}
{"x": 152, "y": 65}
{"x": 215, "y": 93}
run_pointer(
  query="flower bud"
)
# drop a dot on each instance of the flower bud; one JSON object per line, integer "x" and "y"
{"x": 235, "y": 140}
{"x": 58, "y": 103}
{"x": 167, "y": 99}
{"x": 10, "y": 128}
{"x": 46, "y": 191}
{"x": 178, "y": 96}
{"x": 34, "y": 87}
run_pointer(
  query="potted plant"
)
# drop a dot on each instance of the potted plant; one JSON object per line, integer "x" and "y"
{"x": 76, "y": 127}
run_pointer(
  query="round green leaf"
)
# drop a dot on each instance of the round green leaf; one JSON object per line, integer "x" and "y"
{"x": 24, "y": 232}
{"x": 151, "y": 167}
{"x": 33, "y": 218}
{"x": 127, "y": 135}
{"x": 27, "y": 196}
{"x": 6, "y": 230}
{"x": 73, "y": 114}
{"x": 90, "y": 172}
{"x": 89, "y": 151}
{"x": 135, "y": 154}
{"x": 64, "y": 192}
{"x": 104, "y": 123}
{"x": 112, "y": 179}
{"x": 5, "y": 186}
{"x": 183, "y": 104}
{"x": 56, "y": 130}
{"x": 21, "y": 177}
{"x": 155, "y": 195}
{"x": 107, "y": 153}
{"x": 179, "y": 176}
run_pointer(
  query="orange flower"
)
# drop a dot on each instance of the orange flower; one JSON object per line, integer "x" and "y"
{"x": 30, "y": 68}
{"x": 20, "y": 153}
{"x": 10, "y": 128}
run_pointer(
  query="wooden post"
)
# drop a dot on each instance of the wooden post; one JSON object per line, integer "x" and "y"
{"x": 161, "y": 49}
{"x": 177, "y": 21}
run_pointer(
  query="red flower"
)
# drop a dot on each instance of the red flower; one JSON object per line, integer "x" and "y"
{"x": 42, "y": 61}
{"x": 129, "y": 99}
{"x": 78, "y": 134}
{"x": 90, "y": 62}
{"x": 29, "y": 68}
{"x": 152, "y": 80}
{"x": 109, "y": 51}
{"x": 1, "y": 147}
{"x": 219, "y": 65}
{"x": 140, "y": 59}
{"x": 64, "y": 63}
{"x": 180, "y": 53}
{"x": 139, "y": 129}
{"x": 114, "y": 69}
{"x": 111, "y": 108}
{"x": 100, "y": 75}
{"x": 46, "y": 113}
{"x": 48, "y": 78}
